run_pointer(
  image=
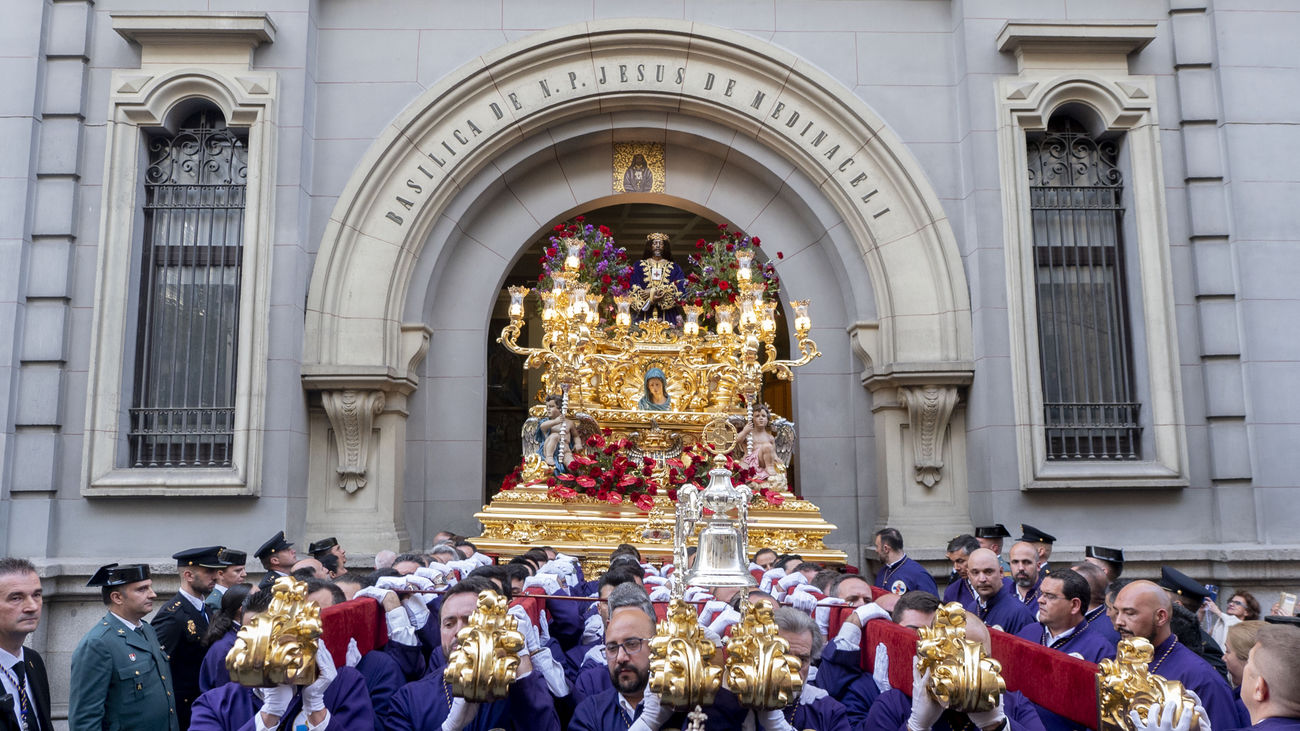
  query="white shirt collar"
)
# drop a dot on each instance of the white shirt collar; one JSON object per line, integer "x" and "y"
{"x": 896, "y": 564}
{"x": 8, "y": 660}
{"x": 129, "y": 626}
{"x": 627, "y": 707}
{"x": 1052, "y": 639}
{"x": 221, "y": 590}
{"x": 196, "y": 602}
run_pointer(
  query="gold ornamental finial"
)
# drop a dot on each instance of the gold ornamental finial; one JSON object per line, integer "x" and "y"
{"x": 680, "y": 672}
{"x": 279, "y": 645}
{"x": 1125, "y": 684}
{"x": 759, "y": 671}
{"x": 962, "y": 676}
{"x": 486, "y": 659}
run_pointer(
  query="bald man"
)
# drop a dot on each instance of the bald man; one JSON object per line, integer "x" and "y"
{"x": 1270, "y": 682}
{"x": 1096, "y": 617}
{"x": 1143, "y": 609}
{"x": 895, "y": 711}
{"x": 1024, "y": 572}
{"x": 995, "y": 602}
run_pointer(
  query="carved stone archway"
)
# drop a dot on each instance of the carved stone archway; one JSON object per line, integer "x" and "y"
{"x": 362, "y": 339}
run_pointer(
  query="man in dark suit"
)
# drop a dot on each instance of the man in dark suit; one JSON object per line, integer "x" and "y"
{"x": 25, "y": 703}
{"x": 183, "y": 621}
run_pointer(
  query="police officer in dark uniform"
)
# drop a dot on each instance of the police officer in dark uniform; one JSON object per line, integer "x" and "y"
{"x": 1185, "y": 590}
{"x": 990, "y": 537}
{"x": 183, "y": 621}
{"x": 120, "y": 676}
{"x": 277, "y": 557}
{"x": 1110, "y": 560}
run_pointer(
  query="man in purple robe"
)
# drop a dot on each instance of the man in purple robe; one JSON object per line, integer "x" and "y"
{"x": 895, "y": 711}
{"x": 1095, "y": 613}
{"x": 899, "y": 574}
{"x": 336, "y": 700}
{"x": 995, "y": 604}
{"x": 1143, "y": 610}
{"x": 959, "y": 551}
{"x": 1061, "y": 626}
{"x": 1024, "y": 572}
{"x": 1270, "y": 682}
{"x": 428, "y": 705}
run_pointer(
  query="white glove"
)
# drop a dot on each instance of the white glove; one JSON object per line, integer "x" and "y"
{"x": 418, "y": 582}
{"x": 557, "y": 568}
{"x": 353, "y": 655}
{"x": 697, "y": 594}
{"x": 595, "y": 656}
{"x": 661, "y": 594}
{"x": 769, "y": 577}
{"x": 755, "y": 567}
{"x": 653, "y": 714}
{"x": 823, "y": 613}
{"x": 649, "y": 569}
{"x": 868, "y": 612}
{"x": 313, "y": 696}
{"x": 464, "y": 567}
{"x": 526, "y": 628}
{"x": 480, "y": 559}
{"x": 774, "y": 721}
{"x": 995, "y": 716}
{"x": 417, "y": 610}
{"x": 548, "y": 583}
{"x": 399, "y": 627}
{"x": 543, "y": 629}
{"x": 792, "y": 581}
{"x": 724, "y": 620}
{"x": 925, "y": 709}
{"x": 373, "y": 592}
{"x": 655, "y": 581}
{"x": 710, "y": 610}
{"x": 433, "y": 572}
{"x": 461, "y": 715}
{"x": 1161, "y": 717}
{"x": 880, "y": 673}
{"x": 593, "y": 630}
{"x": 803, "y": 601}
{"x": 394, "y": 583}
{"x": 566, "y": 557}
{"x": 551, "y": 672}
{"x": 276, "y": 700}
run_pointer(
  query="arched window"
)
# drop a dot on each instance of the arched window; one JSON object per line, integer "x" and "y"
{"x": 183, "y": 405}
{"x": 1090, "y": 406}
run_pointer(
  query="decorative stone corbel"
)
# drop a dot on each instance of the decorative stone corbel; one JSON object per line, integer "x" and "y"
{"x": 928, "y": 409}
{"x": 352, "y": 415}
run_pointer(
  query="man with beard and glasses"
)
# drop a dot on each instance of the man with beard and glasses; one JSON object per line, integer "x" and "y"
{"x": 627, "y": 705}
{"x": 1024, "y": 572}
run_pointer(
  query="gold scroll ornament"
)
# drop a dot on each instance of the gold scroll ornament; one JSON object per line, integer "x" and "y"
{"x": 680, "y": 671}
{"x": 486, "y": 659}
{"x": 1125, "y": 684}
{"x": 962, "y": 676}
{"x": 279, "y": 645}
{"x": 758, "y": 671}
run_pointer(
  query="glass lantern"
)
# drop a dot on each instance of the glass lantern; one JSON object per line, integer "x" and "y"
{"x": 573, "y": 255}
{"x": 744, "y": 264}
{"x": 726, "y": 315}
{"x": 517, "y": 295}
{"x": 802, "y": 322}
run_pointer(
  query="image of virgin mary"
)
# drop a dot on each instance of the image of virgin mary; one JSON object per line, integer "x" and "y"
{"x": 655, "y": 396}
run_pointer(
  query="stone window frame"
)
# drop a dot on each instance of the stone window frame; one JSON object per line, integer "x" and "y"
{"x": 184, "y": 57}
{"x": 1065, "y": 65}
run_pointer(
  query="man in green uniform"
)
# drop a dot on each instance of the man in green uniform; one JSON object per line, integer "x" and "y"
{"x": 120, "y": 676}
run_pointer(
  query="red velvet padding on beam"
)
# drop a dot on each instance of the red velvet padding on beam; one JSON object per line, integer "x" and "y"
{"x": 899, "y": 642}
{"x": 1064, "y": 685}
{"x": 360, "y": 618}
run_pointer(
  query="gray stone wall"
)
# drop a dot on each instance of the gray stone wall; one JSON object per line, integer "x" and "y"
{"x": 1227, "y": 81}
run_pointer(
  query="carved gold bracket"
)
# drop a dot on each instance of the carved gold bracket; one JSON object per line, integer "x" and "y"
{"x": 352, "y": 415}
{"x": 928, "y": 409}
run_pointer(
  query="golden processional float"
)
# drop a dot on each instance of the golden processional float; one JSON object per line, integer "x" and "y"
{"x": 606, "y": 464}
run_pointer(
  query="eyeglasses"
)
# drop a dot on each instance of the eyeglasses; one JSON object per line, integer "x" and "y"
{"x": 1236, "y": 602}
{"x": 631, "y": 646}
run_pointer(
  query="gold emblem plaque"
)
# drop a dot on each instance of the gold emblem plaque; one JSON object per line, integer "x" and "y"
{"x": 639, "y": 167}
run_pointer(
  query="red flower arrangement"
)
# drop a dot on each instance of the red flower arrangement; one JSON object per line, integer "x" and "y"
{"x": 713, "y": 281}
{"x": 606, "y": 472}
{"x": 603, "y": 267}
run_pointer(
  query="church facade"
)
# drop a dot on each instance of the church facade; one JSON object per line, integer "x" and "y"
{"x": 256, "y": 258}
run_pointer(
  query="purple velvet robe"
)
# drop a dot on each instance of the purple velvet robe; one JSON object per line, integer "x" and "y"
{"x": 1173, "y": 661}
{"x": 424, "y": 704}
{"x": 231, "y": 707}
{"x": 213, "y": 673}
{"x": 906, "y": 575}
{"x": 1004, "y": 611}
{"x": 893, "y": 707}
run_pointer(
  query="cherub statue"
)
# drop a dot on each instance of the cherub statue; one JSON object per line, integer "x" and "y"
{"x": 548, "y": 433}
{"x": 762, "y": 457}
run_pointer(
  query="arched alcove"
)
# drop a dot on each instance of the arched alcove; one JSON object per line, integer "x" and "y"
{"x": 425, "y": 232}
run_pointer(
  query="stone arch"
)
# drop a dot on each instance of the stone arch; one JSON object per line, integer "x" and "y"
{"x": 364, "y": 324}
